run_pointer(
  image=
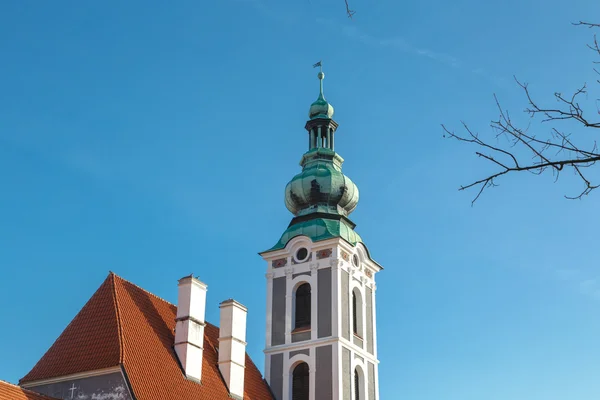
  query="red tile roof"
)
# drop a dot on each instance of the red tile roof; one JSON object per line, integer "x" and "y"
{"x": 123, "y": 324}
{"x": 90, "y": 342}
{"x": 8, "y": 391}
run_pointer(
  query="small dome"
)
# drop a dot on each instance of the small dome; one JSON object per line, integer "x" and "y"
{"x": 321, "y": 187}
{"x": 320, "y": 109}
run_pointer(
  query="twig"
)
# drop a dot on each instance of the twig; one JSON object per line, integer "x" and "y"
{"x": 349, "y": 12}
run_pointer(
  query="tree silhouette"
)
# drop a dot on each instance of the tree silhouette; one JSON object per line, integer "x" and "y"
{"x": 513, "y": 149}
{"x": 349, "y": 12}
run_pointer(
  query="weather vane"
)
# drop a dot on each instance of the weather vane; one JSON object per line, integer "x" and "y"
{"x": 320, "y": 65}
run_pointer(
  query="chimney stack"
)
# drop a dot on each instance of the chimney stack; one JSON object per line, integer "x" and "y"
{"x": 232, "y": 346}
{"x": 189, "y": 329}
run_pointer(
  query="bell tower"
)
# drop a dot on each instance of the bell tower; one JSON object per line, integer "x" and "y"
{"x": 321, "y": 341}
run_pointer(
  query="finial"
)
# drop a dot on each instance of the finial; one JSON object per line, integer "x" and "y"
{"x": 320, "y": 65}
{"x": 321, "y": 76}
{"x": 320, "y": 108}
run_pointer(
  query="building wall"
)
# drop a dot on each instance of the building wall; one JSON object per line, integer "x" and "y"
{"x": 345, "y": 307}
{"x": 324, "y": 373}
{"x": 300, "y": 336}
{"x": 276, "y": 373}
{"x": 371, "y": 382}
{"x": 330, "y": 348}
{"x": 107, "y": 386}
{"x": 369, "y": 319}
{"x": 324, "y": 320}
{"x": 346, "y": 375}
{"x": 278, "y": 316}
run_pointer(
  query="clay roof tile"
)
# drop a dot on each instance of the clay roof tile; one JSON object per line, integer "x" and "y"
{"x": 8, "y": 391}
{"x": 123, "y": 324}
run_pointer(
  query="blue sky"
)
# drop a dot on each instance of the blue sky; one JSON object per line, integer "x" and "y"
{"x": 155, "y": 140}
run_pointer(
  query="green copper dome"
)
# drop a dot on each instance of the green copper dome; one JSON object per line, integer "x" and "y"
{"x": 320, "y": 108}
{"x": 319, "y": 229}
{"x": 321, "y": 197}
{"x": 321, "y": 186}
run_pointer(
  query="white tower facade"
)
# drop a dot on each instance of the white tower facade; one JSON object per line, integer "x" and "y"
{"x": 321, "y": 336}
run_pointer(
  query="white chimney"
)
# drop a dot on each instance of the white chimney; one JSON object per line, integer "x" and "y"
{"x": 189, "y": 329}
{"x": 232, "y": 346}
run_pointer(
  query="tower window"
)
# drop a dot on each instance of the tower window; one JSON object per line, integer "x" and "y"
{"x": 357, "y": 313}
{"x": 356, "y": 385}
{"x": 302, "y": 314}
{"x": 300, "y": 382}
{"x": 354, "y": 319}
{"x": 355, "y": 260}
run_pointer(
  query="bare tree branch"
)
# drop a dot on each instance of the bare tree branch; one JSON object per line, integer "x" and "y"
{"x": 588, "y": 24}
{"x": 554, "y": 149}
{"x": 349, "y": 12}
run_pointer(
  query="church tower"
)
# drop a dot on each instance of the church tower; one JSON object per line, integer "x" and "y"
{"x": 321, "y": 330}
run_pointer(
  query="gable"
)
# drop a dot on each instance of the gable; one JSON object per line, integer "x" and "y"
{"x": 123, "y": 324}
{"x": 90, "y": 342}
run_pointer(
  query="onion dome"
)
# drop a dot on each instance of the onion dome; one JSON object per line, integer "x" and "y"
{"x": 321, "y": 197}
{"x": 320, "y": 108}
{"x": 321, "y": 186}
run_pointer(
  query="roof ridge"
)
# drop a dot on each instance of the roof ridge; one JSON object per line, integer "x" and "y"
{"x": 151, "y": 294}
{"x": 118, "y": 312}
{"x": 27, "y": 390}
{"x": 72, "y": 326}
{"x": 142, "y": 289}
{"x": 66, "y": 328}
{"x": 145, "y": 331}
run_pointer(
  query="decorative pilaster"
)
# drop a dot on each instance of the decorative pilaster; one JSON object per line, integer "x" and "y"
{"x": 289, "y": 271}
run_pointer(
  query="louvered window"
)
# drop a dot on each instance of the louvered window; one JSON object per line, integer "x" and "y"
{"x": 300, "y": 382}
{"x": 302, "y": 319}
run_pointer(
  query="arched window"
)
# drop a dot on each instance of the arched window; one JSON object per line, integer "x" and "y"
{"x": 300, "y": 382}
{"x": 354, "y": 317}
{"x": 357, "y": 313}
{"x": 302, "y": 314}
{"x": 356, "y": 385}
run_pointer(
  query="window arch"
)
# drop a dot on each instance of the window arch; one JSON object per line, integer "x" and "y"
{"x": 354, "y": 319}
{"x": 300, "y": 382}
{"x": 357, "y": 313}
{"x": 359, "y": 385}
{"x": 302, "y": 308}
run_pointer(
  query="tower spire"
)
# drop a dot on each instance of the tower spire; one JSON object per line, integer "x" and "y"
{"x": 320, "y": 336}
{"x": 321, "y": 195}
{"x": 321, "y": 76}
{"x": 320, "y": 109}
